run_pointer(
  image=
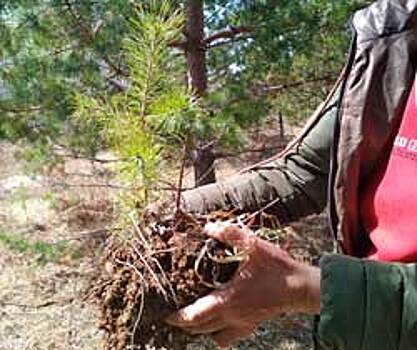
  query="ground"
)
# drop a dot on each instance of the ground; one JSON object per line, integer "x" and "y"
{"x": 45, "y": 268}
{"x": 51, "y": 232}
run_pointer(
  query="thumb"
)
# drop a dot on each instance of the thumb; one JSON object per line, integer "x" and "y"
{"x": 230, "y": 234}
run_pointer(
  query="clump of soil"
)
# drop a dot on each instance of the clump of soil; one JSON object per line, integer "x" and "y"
{"x": 164, "y": 266}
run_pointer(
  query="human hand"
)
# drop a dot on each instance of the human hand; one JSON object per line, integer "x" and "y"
{"x": 267, "y": 283}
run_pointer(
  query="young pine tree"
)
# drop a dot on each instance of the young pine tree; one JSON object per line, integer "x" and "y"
{"x": 157, "y": 118}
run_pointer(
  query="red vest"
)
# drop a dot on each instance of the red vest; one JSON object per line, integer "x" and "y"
{"x": 389, "y": 200}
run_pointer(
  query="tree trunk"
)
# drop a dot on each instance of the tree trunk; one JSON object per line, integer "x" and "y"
{"x": 203, "y": 160}
{"x": 196, "y": 55}
{"x": 203, "y": 157}
{"x": 281, "y": 125}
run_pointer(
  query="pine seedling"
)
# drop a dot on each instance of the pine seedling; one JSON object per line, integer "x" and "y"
{"x": 146, "y": 123}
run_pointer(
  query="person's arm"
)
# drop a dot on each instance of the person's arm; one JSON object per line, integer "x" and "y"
{"x": 299, "y": 180}
{"x": 363, "y": 305}
{"x": 267, "y": 283}
{"x": 367, "y": 305}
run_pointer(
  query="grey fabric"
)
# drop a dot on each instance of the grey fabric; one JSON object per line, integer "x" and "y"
{"x": 373, "y": 101}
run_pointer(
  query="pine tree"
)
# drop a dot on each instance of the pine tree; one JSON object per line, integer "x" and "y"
{"x": 158, "y": 117}
{"x": 244, "y": 60}
{"x": 51, "y": 49}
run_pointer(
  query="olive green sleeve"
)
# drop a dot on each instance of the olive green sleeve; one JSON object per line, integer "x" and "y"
{"x": 367, "y": 305}
{"x": 298, "y": 180}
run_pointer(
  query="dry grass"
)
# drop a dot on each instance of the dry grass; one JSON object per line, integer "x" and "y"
{"x": 42, "y": 306}
{"x": 43, "y": 286}
{"x": 46, "y": 264}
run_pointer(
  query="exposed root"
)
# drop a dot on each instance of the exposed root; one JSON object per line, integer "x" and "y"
{"x": 138, "y": 317}
{"x": 168, "y": 264}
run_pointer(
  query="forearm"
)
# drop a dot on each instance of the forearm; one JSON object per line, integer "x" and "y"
{"x": 297, "y": 182}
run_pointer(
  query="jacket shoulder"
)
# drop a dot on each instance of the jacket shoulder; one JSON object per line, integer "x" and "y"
{"x": 385, "y": 17}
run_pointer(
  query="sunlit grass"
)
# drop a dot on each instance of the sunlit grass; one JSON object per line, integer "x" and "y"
{"x": 44, "y": 252}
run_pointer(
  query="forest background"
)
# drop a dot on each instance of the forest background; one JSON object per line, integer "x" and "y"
{"x": 134, "y": 90}
{"x": 244, "y": 60}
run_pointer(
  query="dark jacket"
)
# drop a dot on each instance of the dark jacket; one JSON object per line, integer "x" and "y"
{"x": 330, "y": 165}
{"x": 335, "y": 158}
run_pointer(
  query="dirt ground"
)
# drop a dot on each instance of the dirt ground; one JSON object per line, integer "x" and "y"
{"x": 45, "y": 262}
{"x": 50, "y": 240}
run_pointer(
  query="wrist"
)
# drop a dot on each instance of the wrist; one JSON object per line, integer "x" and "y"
{"x": 307, "y": 289}
{"x": 313, "y": 290}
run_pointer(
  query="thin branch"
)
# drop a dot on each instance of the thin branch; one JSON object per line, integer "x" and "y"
{"x": 40, "y": 58}
{"x": 69, "y": 185}
{"x": 17, "y": 110}
{"x": 279, "y": 88}
{"x": 180, "y": 180}
{"x": 40, "y": 305}
{"x": 207, "y": 145}
{"x": 117, "y": 84}
{"x": 230, "y": 33}
{"x": 205, "y": 174}
{"x": 139, "y": 233}
{"x": 77, "y": 174}
{"x": 230, "y": 41}
{"x": 93, "y": 159}
{"x": 170, "y": 187}
{"x": 114, "y": 67}
{"x": 138, "y": 317}
{"x": 261, "y": 210}
{"x": 150, "y": 270}
{"x": 181, "y": 45}
{"x": 97, "y": 233}
{"x": 112, "y": 186}
{"x": 79, "y": 21}
{"x": 90, "y": 34}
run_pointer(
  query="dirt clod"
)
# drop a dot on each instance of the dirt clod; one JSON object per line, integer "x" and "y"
{"x": 164, "y": 266}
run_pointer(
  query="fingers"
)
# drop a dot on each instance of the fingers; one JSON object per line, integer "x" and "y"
{"x": 209, "y": 327}
{"x": 229, "y": 335}
{"x": 229, "y": 234}
{"x": 203, "y": 311}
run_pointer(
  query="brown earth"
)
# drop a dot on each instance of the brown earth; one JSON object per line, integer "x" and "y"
{"x": 52, "y": 231}
{"x": 169, "y": 264}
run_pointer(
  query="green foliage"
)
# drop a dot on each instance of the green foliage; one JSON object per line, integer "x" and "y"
{"x": 49, "y": 50}
{"x": 142, "y": 122}
{"x": 38, "y": 158}
{"x": 44, "y": 252}
{"x": 158, "y": 115}
{"x": 297, "y": 45}
{"x": 53, "y": 50}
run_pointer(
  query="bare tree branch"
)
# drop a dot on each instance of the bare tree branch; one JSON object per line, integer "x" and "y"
{"x": 17, "y": 110}
{"x": 279, "y": 88}
{"x": 231, "y": 33}
{"x": 73, "y": 155}
{"x": 181, "y": 45}
{"x": 229, "y": 41}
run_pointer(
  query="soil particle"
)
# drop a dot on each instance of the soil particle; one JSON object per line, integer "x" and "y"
{"x": 164, "y": 267}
